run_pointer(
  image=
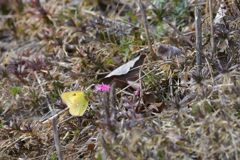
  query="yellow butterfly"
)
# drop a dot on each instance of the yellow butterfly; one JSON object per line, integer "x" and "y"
{"x": 76, "y": 102}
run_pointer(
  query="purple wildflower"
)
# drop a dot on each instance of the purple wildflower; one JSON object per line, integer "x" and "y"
{"x": 137, "y": 92}
{"x": 102, "y": 87}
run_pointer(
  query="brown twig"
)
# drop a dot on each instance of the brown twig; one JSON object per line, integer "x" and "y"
{"x": 112, "y": 95}
{"x": 106, "y": 104}
{"x": 198, "y": 29}
{"x": 54, "y": 123}
{"x": 56, "y": 138}
{"x": 211, "y": 26}
{"x": 144, "y": 17}
{"x": 44, "y": 121}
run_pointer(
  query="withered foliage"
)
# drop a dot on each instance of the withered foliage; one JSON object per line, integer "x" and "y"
{"x": 163, "y": 108}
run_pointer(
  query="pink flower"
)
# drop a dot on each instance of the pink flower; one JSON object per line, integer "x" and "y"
{"x": 137, "y": 92}
{"x": 102, "y": 87}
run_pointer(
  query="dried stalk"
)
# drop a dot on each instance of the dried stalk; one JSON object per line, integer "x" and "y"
{"x": 211, "y": 26}
{"x": 56, "y": 138}
{"x": 144, "y": 18}
{"x": 54, "y": 123}
{"x": 198, "y": 28}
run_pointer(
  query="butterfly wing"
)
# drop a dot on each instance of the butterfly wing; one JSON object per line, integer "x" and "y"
{"x": 76, "y": 102}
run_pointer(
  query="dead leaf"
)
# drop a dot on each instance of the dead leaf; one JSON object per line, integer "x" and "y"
{"x": 124, "y": 73}
{"x": 167, "y": 51}
{"x": 157, "y": 107}
{"x": 91, "y": 147}
{"x": 124, "y": 69}
{"x": 222, "y": 10}
{"x": 148, "y": 98}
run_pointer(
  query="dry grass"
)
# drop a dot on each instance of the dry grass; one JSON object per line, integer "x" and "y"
{"x": 54, "y": 46}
